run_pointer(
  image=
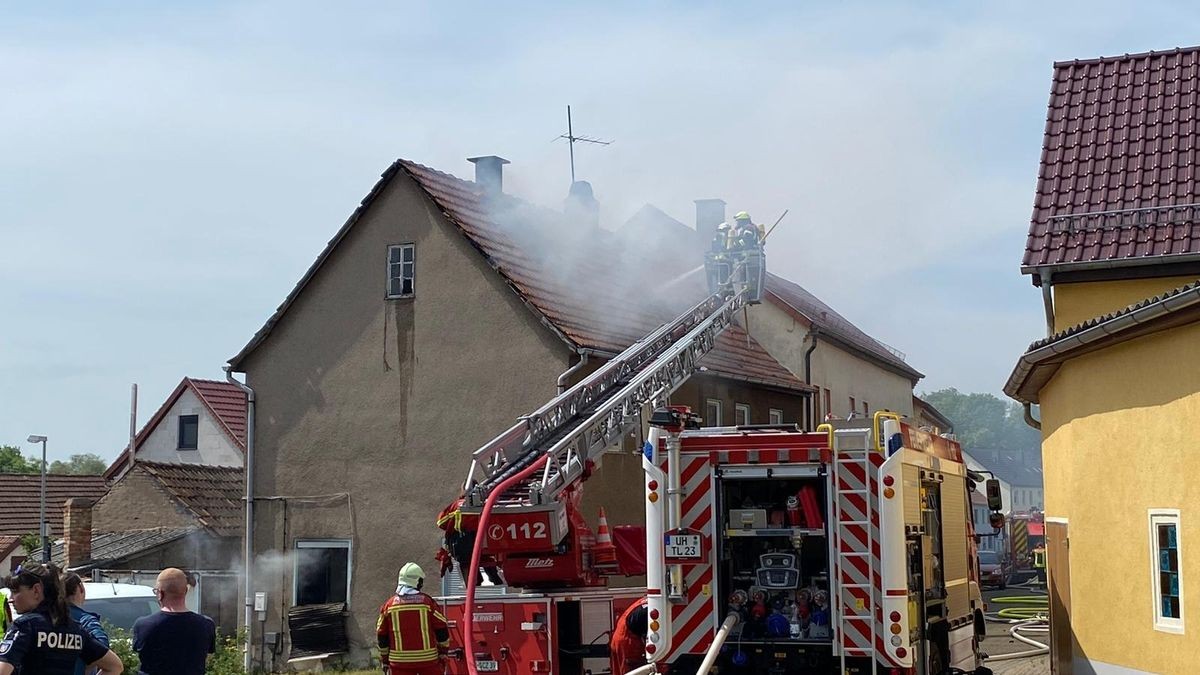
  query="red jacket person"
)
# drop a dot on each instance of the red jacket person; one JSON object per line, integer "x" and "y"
{"x": 413, "y": 635}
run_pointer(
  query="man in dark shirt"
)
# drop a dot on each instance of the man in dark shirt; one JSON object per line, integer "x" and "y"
{"x": 175, "y": 641}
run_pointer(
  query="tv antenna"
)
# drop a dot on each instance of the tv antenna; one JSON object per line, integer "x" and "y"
{"x": 572, "y": 139}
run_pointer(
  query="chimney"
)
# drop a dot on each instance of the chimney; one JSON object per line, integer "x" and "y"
{"x": 581, "y": 205}
{"x": 709, "y": 214}
{"x": 489, "y": 173}
{"x": 77, "y": 531}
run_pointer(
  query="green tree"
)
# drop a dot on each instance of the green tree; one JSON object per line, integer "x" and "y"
{"x": 32, "y": 544}
{"x": 86, "y": 464}
{"x": 11, "y": 461}
{"x": 985, "y": 421}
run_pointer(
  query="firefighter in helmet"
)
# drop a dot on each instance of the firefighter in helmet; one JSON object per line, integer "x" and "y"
{"x": 745, "y": 234}
{"x": 627, "y": 646}
{"x": 1038, "y": 556}
{"x": 413, "y": 636}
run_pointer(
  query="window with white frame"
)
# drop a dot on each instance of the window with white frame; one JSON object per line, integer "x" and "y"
{"x": 712, "y": 412}
{"x": 775, "y": 416}
{"x": 741, "y": 414}
{"x": 1166, "y": 569}
{"x": 321, "y": 572}
{"x": 401, "y": 270}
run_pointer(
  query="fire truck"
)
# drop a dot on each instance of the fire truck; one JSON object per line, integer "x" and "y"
{"x": 1026, "y": 532}
{"x": 765, "y": 549}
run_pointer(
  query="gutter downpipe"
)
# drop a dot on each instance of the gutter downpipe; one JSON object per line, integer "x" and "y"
{"x": 248, "y": 552}
{"x": 1029, "y": 419}
{"x": 1047, "y": 301}
{"x": 562, "y": 379}
{"x": 808, "y": 410}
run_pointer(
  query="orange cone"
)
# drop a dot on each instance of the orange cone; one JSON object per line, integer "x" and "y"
{"x": 605, "y": 552}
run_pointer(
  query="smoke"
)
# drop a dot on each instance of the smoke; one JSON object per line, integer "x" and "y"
{"x": 619, "y": 283}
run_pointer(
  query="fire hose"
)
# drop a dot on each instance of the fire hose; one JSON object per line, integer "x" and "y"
{"x": 1027, "y": 616}
{"x": 473, "y": 572}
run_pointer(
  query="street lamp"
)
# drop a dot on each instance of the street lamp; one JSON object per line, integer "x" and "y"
{"x": 42, "y": 522}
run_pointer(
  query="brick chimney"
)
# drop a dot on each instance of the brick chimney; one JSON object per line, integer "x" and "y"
{"x": 489, "y": 172}
{"x": 709, "y": 214}
{"x": 77, "y": 531}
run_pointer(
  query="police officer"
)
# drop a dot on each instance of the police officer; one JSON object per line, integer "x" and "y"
{"x": 44, "y": 640}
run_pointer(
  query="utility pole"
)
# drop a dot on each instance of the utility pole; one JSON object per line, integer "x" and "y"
{"x": 572, "y": 139}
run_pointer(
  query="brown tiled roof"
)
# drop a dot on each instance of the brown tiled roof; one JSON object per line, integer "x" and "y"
{"x": 591, "y": 303}
{"x": 8, "y": 544}
{"x": 1118, "y": 173}
{"x": 225, "y": 401}
{"x": 793, "y": 296}
{"x": 212, "y": 493}
{"x": 21, "y": 495}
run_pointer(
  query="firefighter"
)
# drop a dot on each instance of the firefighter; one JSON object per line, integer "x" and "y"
{"x": 627, "y": 646}
{"x": 1038, "y": 555}
{"x": 413, "y": 636}
{"x": 720, "y": 240}
{"x": 745, "y": 234}
{"x": 458, "y": 544}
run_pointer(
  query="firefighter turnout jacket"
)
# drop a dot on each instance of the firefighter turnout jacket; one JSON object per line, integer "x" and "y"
{"x": 413, "y": 634}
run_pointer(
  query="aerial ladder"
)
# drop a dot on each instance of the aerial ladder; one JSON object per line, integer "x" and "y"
{"x": 521, "y": 495}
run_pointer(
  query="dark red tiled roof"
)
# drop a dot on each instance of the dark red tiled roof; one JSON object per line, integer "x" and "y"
{"x": 795, "y": 297}
{"x": 225, "y": 401}
{"x": 1118, "y": 171}
{"x": 212, "y": 493}
{"x": 21, "y": 495}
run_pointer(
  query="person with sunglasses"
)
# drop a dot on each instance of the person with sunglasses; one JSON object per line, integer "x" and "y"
{"x": 44, "y": 640}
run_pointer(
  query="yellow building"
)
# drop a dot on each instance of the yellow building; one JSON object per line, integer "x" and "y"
{"x": 1114, "y": 244}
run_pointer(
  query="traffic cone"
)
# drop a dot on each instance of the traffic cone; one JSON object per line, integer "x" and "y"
{"x": 605, "y": 553}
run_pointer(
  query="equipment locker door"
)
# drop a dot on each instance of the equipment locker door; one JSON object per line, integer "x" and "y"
{"x": 1058, "y": 568}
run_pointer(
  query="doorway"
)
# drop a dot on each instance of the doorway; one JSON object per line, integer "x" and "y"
{"x": 1058, "y": 567}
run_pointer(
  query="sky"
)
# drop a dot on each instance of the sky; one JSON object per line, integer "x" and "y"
{"x": 168, "y": 171}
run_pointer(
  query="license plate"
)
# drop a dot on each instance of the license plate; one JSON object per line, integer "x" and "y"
{"x": 683, "y": 546}
{"x": 487, "y": 666}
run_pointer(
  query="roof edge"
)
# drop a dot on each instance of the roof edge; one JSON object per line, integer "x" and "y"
{"x": 1141, "y": 261}
{"x": 1124, "y": 57}
{"x": 263, "y": 333}
{"x": 1119, "y": 326}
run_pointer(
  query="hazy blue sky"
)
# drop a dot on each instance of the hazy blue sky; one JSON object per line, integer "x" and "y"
{"x": 168, "y": 171}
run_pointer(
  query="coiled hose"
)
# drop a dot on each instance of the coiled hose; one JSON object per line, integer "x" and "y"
{"x": 1028, "y": 615}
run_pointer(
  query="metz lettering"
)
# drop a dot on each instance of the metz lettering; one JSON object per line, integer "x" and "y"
{"x": 60, "y": 640}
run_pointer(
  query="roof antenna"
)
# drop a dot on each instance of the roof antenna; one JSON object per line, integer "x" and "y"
{"x": 572, "y": 139}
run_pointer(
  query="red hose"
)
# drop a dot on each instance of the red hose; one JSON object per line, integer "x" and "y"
{"x": 469, "y": 608}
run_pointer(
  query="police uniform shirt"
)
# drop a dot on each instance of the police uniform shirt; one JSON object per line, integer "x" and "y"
{"x": 36, "y": 647}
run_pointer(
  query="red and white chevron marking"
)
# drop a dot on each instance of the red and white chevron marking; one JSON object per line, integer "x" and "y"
{"x": 856, "y": 539}
{"x": 692, "y": 623}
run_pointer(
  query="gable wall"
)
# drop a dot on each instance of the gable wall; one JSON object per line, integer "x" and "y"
{"x": 213, "y": 445}
{"x": 136, "y": 502}
{"x": 384, "y": 400}
{"x": 1075, "y": 303}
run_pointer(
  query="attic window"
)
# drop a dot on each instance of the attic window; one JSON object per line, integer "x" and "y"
{"x": 401, "y": 270}
{"x": 189, "y": 427}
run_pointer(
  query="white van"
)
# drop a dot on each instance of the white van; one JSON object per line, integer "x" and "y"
{"x": 117, "y": 604}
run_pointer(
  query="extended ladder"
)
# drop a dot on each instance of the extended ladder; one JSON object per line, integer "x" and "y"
{"x": 578, "y": 425}
{"x": 854, "y": 588}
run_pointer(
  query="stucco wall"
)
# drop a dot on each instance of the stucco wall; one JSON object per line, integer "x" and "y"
{"x": 1077, "y": 302}
{"x": 213, "y": 445}
{"x": 842, "y": 372}
{"x": 1119, "y": 439}
{"x": 386, "y": 399}
{"x": 136, "y": 502}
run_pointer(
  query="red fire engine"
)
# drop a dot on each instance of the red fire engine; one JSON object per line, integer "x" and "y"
{"x": 849, "y": 549}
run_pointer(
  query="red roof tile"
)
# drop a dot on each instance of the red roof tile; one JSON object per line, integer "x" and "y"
{"x": 212, "y": 493}
{"x": 1118, "y": 178}
{"x": 21, "y": 496}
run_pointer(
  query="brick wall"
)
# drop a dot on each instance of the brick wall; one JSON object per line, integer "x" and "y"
{"x": 77, "y": 530}
{"x": 136, "y": 502}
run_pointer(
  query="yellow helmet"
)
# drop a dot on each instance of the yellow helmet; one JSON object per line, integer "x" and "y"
{"x": 742, "y": 215}
{"x": 411, "y": 575}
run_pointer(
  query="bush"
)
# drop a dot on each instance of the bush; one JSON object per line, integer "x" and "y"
{"x": 226, "y": 661}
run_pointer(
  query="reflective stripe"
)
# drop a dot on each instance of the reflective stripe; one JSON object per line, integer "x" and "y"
{"x": 412, "y": 656}
{"x": 398, "y": 652}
